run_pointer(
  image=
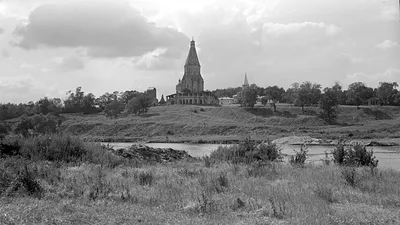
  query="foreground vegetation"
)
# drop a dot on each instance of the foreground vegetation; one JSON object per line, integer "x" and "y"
{"x": 60, "y": 180}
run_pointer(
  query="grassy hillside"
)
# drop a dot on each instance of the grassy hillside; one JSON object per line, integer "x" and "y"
{"x": 194, "y": 123}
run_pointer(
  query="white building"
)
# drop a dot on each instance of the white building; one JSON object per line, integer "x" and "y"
{"x": 226, "y": 101}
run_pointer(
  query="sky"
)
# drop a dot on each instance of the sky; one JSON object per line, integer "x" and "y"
{"x": 48, "y": 47}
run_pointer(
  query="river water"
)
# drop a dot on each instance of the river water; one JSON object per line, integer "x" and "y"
{"x": 389, "y": 157}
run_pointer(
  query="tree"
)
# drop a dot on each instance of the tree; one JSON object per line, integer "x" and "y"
{"x": 358, "y": 94}
{"x": 46, "y": 105}
{"x": 113, "y": 109}
{"x": 139, "y": 104}
{"x": 386, "y": 92}
{"x": 340, "y": 94}
{"x": 275, "y": 94}
{"x": 291, "y": 94}
{"x": 329, "y": 105}
{"x": 308, "y": 94}
{"x": 248, "y": 97}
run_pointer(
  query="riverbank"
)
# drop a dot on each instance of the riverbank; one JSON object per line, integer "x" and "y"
{"x": 200, "y": 124}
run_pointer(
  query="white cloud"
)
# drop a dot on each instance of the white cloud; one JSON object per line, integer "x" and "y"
{"x": 68, "y": 64}
{"x": 387, "y": 44}
{"x": 373, "y": 79}
{"x": 106, "y": 28}
{"x": 279, "y": 29}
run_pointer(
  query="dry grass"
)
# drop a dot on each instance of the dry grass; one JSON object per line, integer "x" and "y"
{"x": 191, "y": 193}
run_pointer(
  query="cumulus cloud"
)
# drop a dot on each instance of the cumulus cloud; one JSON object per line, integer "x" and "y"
{"x": 278, "y": 29}
{"x": 156, "y": 60}
{"x": 72, "y": 63}
{"x": 5, "y": 53}
{"x": 387, "y": 44}
{"x": 105, "y": 28}
{"x": 372, "y": 79}
{"x": 23, "y": 89}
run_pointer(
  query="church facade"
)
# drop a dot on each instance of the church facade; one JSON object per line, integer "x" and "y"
{"x": 190, "y": 89}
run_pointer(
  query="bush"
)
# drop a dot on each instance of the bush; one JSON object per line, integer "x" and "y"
{"x": 355, "y": 154}
{"x": 300, "y": 157}
{"x": 54, "y": 148}
{"x": 61, "y": 148}
{"x": 247, "y": 152}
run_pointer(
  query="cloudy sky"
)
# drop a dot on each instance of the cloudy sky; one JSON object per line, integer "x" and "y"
{"x": 48, "y": 47}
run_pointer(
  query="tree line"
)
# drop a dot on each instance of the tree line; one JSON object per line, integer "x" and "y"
{"x": 112, "y": 104}
{"x": 308, "y": 93}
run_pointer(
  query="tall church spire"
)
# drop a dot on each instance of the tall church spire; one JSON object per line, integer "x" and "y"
{"x": 246, "y": 82}
{"x": 192, "y": 59}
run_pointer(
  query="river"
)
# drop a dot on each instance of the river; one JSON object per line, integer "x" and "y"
{"x": 389, "y": 157}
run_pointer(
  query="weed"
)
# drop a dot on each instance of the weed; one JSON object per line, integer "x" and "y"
{"x": 278, "y": 208}
{"x": 325, "y": 193}
{"x": 146, "y": 178}
{"x": 222, "y": 180}
{"x": 238, "y": 204}
{"x": 351, "y": 176}
{"x": 301, "y": 156}
{"x": 207, "y": 161}
{"x": 207, "y": 204}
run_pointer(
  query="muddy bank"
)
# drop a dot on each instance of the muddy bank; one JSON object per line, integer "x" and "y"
{"x": 145, "y": 153}
{"x": 300, "y": 140}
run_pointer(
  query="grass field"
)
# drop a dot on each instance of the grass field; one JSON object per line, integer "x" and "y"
{"x": 191, "y": 193}
{"x": 59, "y": 179}
{"x": 200, "y": 123}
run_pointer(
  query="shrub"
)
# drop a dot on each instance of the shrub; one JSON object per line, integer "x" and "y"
{"x": 268, "y": 151}
{"x": 54, "y": 148}
{"x": 247, "y": 152}
{"x": 300, "y": 157}
{"x": 9, "y": 148}
{"x": 355, "y": 154}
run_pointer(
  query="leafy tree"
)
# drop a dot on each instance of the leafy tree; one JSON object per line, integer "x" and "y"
{"x": 292, "y": 93}
{"x": 128, "y": 95}
{"x": 275, "y": 94}
{"x": 308, "y": 94}
{"x": 387, "y": 92}
{"x": 46, "y": 105}
{"x": 88, "y": 104}
{"x": 228, "y": 92}
{"x": 248, "y": 97}
{"x": 358, "y": 94}
{"x": 264, "y": 101}
{"x": 139, "y": 104}
{"x": 329, "y": 105}
{"x": 113, "y": 109}
{"x": 340, "y": 94}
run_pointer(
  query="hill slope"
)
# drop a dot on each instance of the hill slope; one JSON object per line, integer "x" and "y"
{"x": 181, "y": 122}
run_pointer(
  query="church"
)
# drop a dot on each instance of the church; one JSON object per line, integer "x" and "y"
{"x": 190, "y": 90}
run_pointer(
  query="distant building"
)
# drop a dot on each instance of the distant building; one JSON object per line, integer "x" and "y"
{"x": 152, "y": 94}
{"x": 226, "y": 101}
{"x": 236, "y": 98}
{"x": 190, "y": 90}
{"x": 162, "y": 100}
{"x": 246, "y": 82}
